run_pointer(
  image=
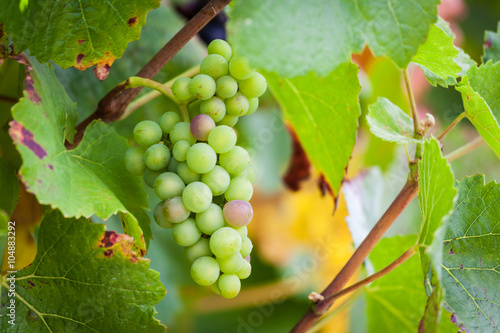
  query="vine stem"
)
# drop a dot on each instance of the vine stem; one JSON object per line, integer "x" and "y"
{"x": 452, "y": 125}
{"x": 112, "y": 106}
{"x": 413, "y": 105}
{"x": 402, "y": 200}
{"x": 465, "y": 149}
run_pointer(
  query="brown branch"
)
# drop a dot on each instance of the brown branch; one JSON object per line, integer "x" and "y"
{"x": 113, "y": 105}
{"x": 399, "y": 204}
{"x": 8, "y": 99}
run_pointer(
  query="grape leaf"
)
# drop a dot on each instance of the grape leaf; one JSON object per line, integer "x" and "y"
{"x": 436, "y": 198}
{"x": 324, "y": 113}
{"x": 471, "y": 259}
{"x": 295, "y": 37}
{"x": 79, "y": 34}
{"x": 390, "y": 123}
{"x": 492, "y": 45}
{"x": 481, "y": 100}
{"x": 90, "y": 179}
{"x": 105, "y": 286}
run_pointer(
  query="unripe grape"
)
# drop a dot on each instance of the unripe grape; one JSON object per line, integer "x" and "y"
{"x": 254, "y": 86}
{"x": 168, "y": 185}
{"x": 229, "y": 120}
{"x": 226, "y": 86}
{"x": 197, "y": 197}
{"x": 157, "y": 157}
{"x": 253, "y": 105}
{"x": 201, "y": 158}
{"x": 232, "y": 264}
{"x": 246, "y": 247}
{"x": 217, "y": 180}
{"x": 251, "y": 173}
{"x": 201, "y": 126}
{"x": 174, "y": 210}
{"x": 181, "y": 88}
{"x": 243, "y": 231}
{"x": 159, "y": 218}
{"x": 210, "y": 220}
{"x": 205, "y": 271}
{"x": 245, "y": 270}
{"x": 222, "y": 139}
{"x": 225, "y": 242}
{"x": 213, "y": 107}
{"x": 180, "y": 150}
{"x": 147, "y": 133}
{"x": 186, "y": 174}
{"x": 186, "y": 233}
{"x": 214, "y": 65}
{"x": 237, "y": 213}
{"x": 240, "y": 188}
{"x": 237, "y": 105}
{"x": 182, "y": 131}
{"x": 235, "y": 161}
{"x": 172, "y": 165}
{"x": 167, "y": 121}
{"x": 202, "y": 86}
{"x": 194, "y": 108}
{"x": 150, "y": 176}
{"x": 199, "y": 249}
{"x": 240, "y": 68}
{"x": 134, "y": 161}
{"x": 229, "y": 285}
{"x": 221, "y": 47}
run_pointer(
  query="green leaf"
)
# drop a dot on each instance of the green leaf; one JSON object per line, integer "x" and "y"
{"x": 79, "y": 34}
{"x": 471, "y": 258}
{"x": 492, "y": 45}
{"x": 436, "y": 57}
{"x": 436, "y": 198}
{"x": 90, "y": 179}
{"x": 481, "y": 101}
{"x": 390, "y": 123}
{"x": 324, "y": 113}
{"x": 295, "y": 37}
{"x": 83, "y": 279}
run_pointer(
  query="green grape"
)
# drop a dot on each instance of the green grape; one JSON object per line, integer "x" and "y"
{"x": 222, "y": 139}
{"x": 229, "y": 120}
{"x": 180, "y": 150}
{"x": 205, "y": 271}
{"x": 210, "y": 220}
{"x": 197, "y": 197}
{"x": 213, "y": 107}
{"x": 186, "y": 174}
{"x": 147, "y": 133}
{"x": 167, "y": 122}
{"x": 240, "y": 68}
{"x": 186, "y": 233}
{"x": 232, "y": 264}
{"x": 245, "y": 271}
{"x": 246, "y": 247}
{"x": 226, "y": 86}
{"x": 181, "y": 88}
{"x": 181, "y": 131}
{"x": 201, "y": 126}
{"x": 237, "y": 105}
{"x": 215, "y": 288}
{"x": 168, "y": 185}
{"x": 237, "y": 213}
{"x": 235, "y": 161}
{"x": 134, "y": 161}
{"x": 255, "y": 86}
{"x": 229, "y": 285}
{"x": 202, "y": 86}
{"x": 150, "y": 176}
{"x": 243, "y": 231}
{"x": 214, "y": 65}
{"x": 194, "y": 108}
{"x": 225, "y": 242}
{"x": 157, "y": 157}
{"x": 251, "y": 173}
{"x": 199, "y": 249}
{"x": 221, "y": 47}
{"x": 201, "y": 158}
{"x": 253, "y": 104}
{"x": 172, "y": 165}
{"x": 240, "y": 188}
{"x": 159, "y": 218}
{"x": 174, "y": 210}
{"x": 217, "y": 180}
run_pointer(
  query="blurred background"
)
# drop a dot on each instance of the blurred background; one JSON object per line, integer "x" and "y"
{"x": 299, "y": 242}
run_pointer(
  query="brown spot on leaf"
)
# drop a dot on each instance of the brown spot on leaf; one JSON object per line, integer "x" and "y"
{"x": 451, "y": 251}
{"x": 117, "y": 243}
{"x": 299, "y": 166}
{"x": 132, "y": 21}
{"x": 108, "y": 253}
{"x": 81, "y": 41}
{"x": 21, "y": 135}
{"x": 101, "y": 71}
{"x": 29, "y": 87}
{"x": 488, "y": 43}
{"x": 79, "y": 58}
{"x": 51, "y": 167}
{"x": 31, "y": 283}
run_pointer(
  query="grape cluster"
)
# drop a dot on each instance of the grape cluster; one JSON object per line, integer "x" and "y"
{"x": 202, "y": 177}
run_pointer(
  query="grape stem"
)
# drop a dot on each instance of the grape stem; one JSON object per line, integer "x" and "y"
{"x": 465, "y": 149}
{"x": 136, "y": 82}
{"x": 112, "y": 106}
{"x": 452, "y": 125}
